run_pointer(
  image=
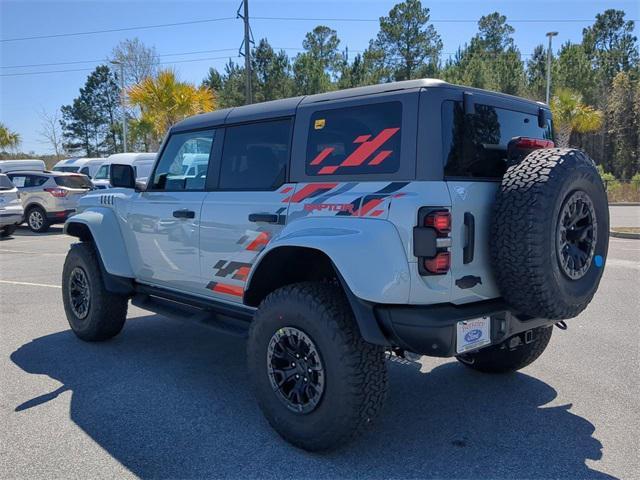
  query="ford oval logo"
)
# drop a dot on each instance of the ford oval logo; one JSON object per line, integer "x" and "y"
{"x": 473, "y": 335}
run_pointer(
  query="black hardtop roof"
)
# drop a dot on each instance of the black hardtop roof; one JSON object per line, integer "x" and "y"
{"x": 287, "y": 106}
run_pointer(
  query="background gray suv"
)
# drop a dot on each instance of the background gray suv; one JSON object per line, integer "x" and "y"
{"x": 49, "y": 197}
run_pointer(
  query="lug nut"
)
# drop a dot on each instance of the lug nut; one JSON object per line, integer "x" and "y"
{"x": 293, "y": 364}
{"x": 297, "y": 376}
{"x": 305, "y": 379}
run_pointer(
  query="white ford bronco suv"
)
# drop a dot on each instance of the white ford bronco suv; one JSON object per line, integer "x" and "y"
{"x": 333, "y": 229}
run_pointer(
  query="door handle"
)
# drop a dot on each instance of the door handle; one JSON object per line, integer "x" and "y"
{"x": 184, "y": 213}
{"x": 264, "y": 217}
{"x": 470, "y": 243}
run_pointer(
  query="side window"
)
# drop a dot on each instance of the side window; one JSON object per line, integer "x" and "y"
{"x": 355, "y": 140}
{"x": 85, "y": 171}
{"x": 476, "y": 146}
{"x": 18, "y": 180}
{"x": 255, "y": 156}
{"x": 103, "y": 172}
{"x": 184, "y": 150}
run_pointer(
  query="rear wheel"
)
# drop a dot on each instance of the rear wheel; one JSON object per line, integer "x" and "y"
{"x": 37, "y": 220}
{"x": 94, "y": 314}
{"x": 317, "y": 381}
{"x": 505, "y": 357}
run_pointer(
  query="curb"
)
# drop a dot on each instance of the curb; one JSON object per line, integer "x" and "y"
{"x": 635, "y": 236}
{"x": 625, "y": 204}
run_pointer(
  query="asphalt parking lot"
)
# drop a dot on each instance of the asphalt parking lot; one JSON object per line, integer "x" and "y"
{"x": 166, "y": 399}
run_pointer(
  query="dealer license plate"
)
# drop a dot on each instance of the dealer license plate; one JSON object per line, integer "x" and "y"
{"x": 472, "y": 334}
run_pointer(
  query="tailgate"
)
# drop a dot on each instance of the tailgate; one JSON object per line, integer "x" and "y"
{"x": 472, "y": 204}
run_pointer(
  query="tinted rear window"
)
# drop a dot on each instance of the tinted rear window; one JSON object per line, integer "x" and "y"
{"x": 66, "y": 169}
{"x": 255, "y": 156}
{"x": 478, "y": 147}
{"x": 355, "y": 140}
{"x": 73, "y": 181}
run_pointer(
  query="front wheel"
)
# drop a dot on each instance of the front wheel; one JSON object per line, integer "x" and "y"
{"x": 7, "y": 230}
{"x": 94, "y": 313}
{"x": 317, "y": 381}
{"x": 502, "y": 359}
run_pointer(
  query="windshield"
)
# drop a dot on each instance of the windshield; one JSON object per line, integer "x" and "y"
{"x": 5, "y": 183}
{"x": 102, "y": 173}
{"x": 73, "y": 181}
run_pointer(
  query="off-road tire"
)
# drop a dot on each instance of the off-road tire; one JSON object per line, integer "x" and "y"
{"x": 524, "y": 233}
{"x": 501, "y": 359}
{"x": 355, "y": 371}
{"x": 7, "y": 231}
{"x": 107, "y": 311}
{"x": 44, "y": 225}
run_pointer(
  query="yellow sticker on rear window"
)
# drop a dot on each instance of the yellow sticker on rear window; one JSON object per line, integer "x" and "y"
{"x": 319, "y": 124}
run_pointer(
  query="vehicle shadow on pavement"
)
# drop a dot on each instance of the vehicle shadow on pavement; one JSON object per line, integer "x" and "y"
{"x": 168, "y": 399}
{"x": 23, "y": 231}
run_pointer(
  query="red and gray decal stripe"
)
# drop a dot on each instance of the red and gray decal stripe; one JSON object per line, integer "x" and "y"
{"x": 310, "y": 190}
{"x": 238, "y": 270}
{"x": 367, "y": 203}
{"x": 234, "y": 290}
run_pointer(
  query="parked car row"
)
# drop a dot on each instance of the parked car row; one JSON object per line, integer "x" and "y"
{"x": 40, "y": 198}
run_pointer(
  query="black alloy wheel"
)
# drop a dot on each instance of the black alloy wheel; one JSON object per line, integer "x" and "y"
{"x": 295, "y": 369}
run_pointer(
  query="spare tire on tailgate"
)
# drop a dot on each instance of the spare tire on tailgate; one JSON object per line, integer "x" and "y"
{"x": 550, "y": 233}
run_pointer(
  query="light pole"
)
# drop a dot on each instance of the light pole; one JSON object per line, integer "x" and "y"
{"x": 122, "y": 101}
{"x": 550, "y": 35}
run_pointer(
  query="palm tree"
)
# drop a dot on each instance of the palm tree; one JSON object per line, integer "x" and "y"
{"x": 571, "y": 115}
{"x": 164, "y": 100}
{"x": 8, "y": 139}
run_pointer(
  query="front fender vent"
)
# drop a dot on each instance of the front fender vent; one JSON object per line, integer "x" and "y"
{"x": 107, "y": 199}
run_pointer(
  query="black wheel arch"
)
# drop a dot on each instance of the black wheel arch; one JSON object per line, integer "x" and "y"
{"x": 293, "y": 264}
{"x": 112, "y": 283}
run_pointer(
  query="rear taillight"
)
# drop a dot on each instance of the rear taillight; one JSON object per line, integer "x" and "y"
{"x": 439, "y": 264}
{"x": 527, "y": 143}
{"x": 440, "y": 220}
{"x": 56, "y": 192}
{"x": 431, "y": 241}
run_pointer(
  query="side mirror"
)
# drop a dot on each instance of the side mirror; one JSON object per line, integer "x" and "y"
{"x": 122, "y": 176}
{"x": 141, "y": 185}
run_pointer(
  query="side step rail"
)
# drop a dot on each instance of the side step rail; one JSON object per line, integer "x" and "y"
{"x": 235, "y": 326}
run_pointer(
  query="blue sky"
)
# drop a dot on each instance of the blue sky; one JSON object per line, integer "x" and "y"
{"x": 22, "y": 97}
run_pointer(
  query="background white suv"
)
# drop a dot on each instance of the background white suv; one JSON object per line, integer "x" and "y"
{"x": 49, "y": 197}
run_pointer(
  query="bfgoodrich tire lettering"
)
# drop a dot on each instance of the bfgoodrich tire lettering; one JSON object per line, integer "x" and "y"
{"x": 355, "y": 377}
{"x": 94, "y": 314}
{"x": 527, "y": 229}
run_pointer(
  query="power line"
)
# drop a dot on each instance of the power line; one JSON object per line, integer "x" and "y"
{"x": 293, "y": 19}
{"x": 90, "y": 69}
{"x": 110, "y": 30}
{"x": 75, "y": 62}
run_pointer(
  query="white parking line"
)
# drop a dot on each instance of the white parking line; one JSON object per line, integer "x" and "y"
{"x": 9, "y": 282}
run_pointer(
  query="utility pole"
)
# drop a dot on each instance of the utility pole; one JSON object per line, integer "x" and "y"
{"x": 247, "y": 51}
{"x": 123, "y": 103}
{"x": 550, "y": 35}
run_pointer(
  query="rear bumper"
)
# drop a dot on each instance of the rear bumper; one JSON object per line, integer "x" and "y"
{"x": 431, "y": 330}
{"x": 61, "y": 216}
